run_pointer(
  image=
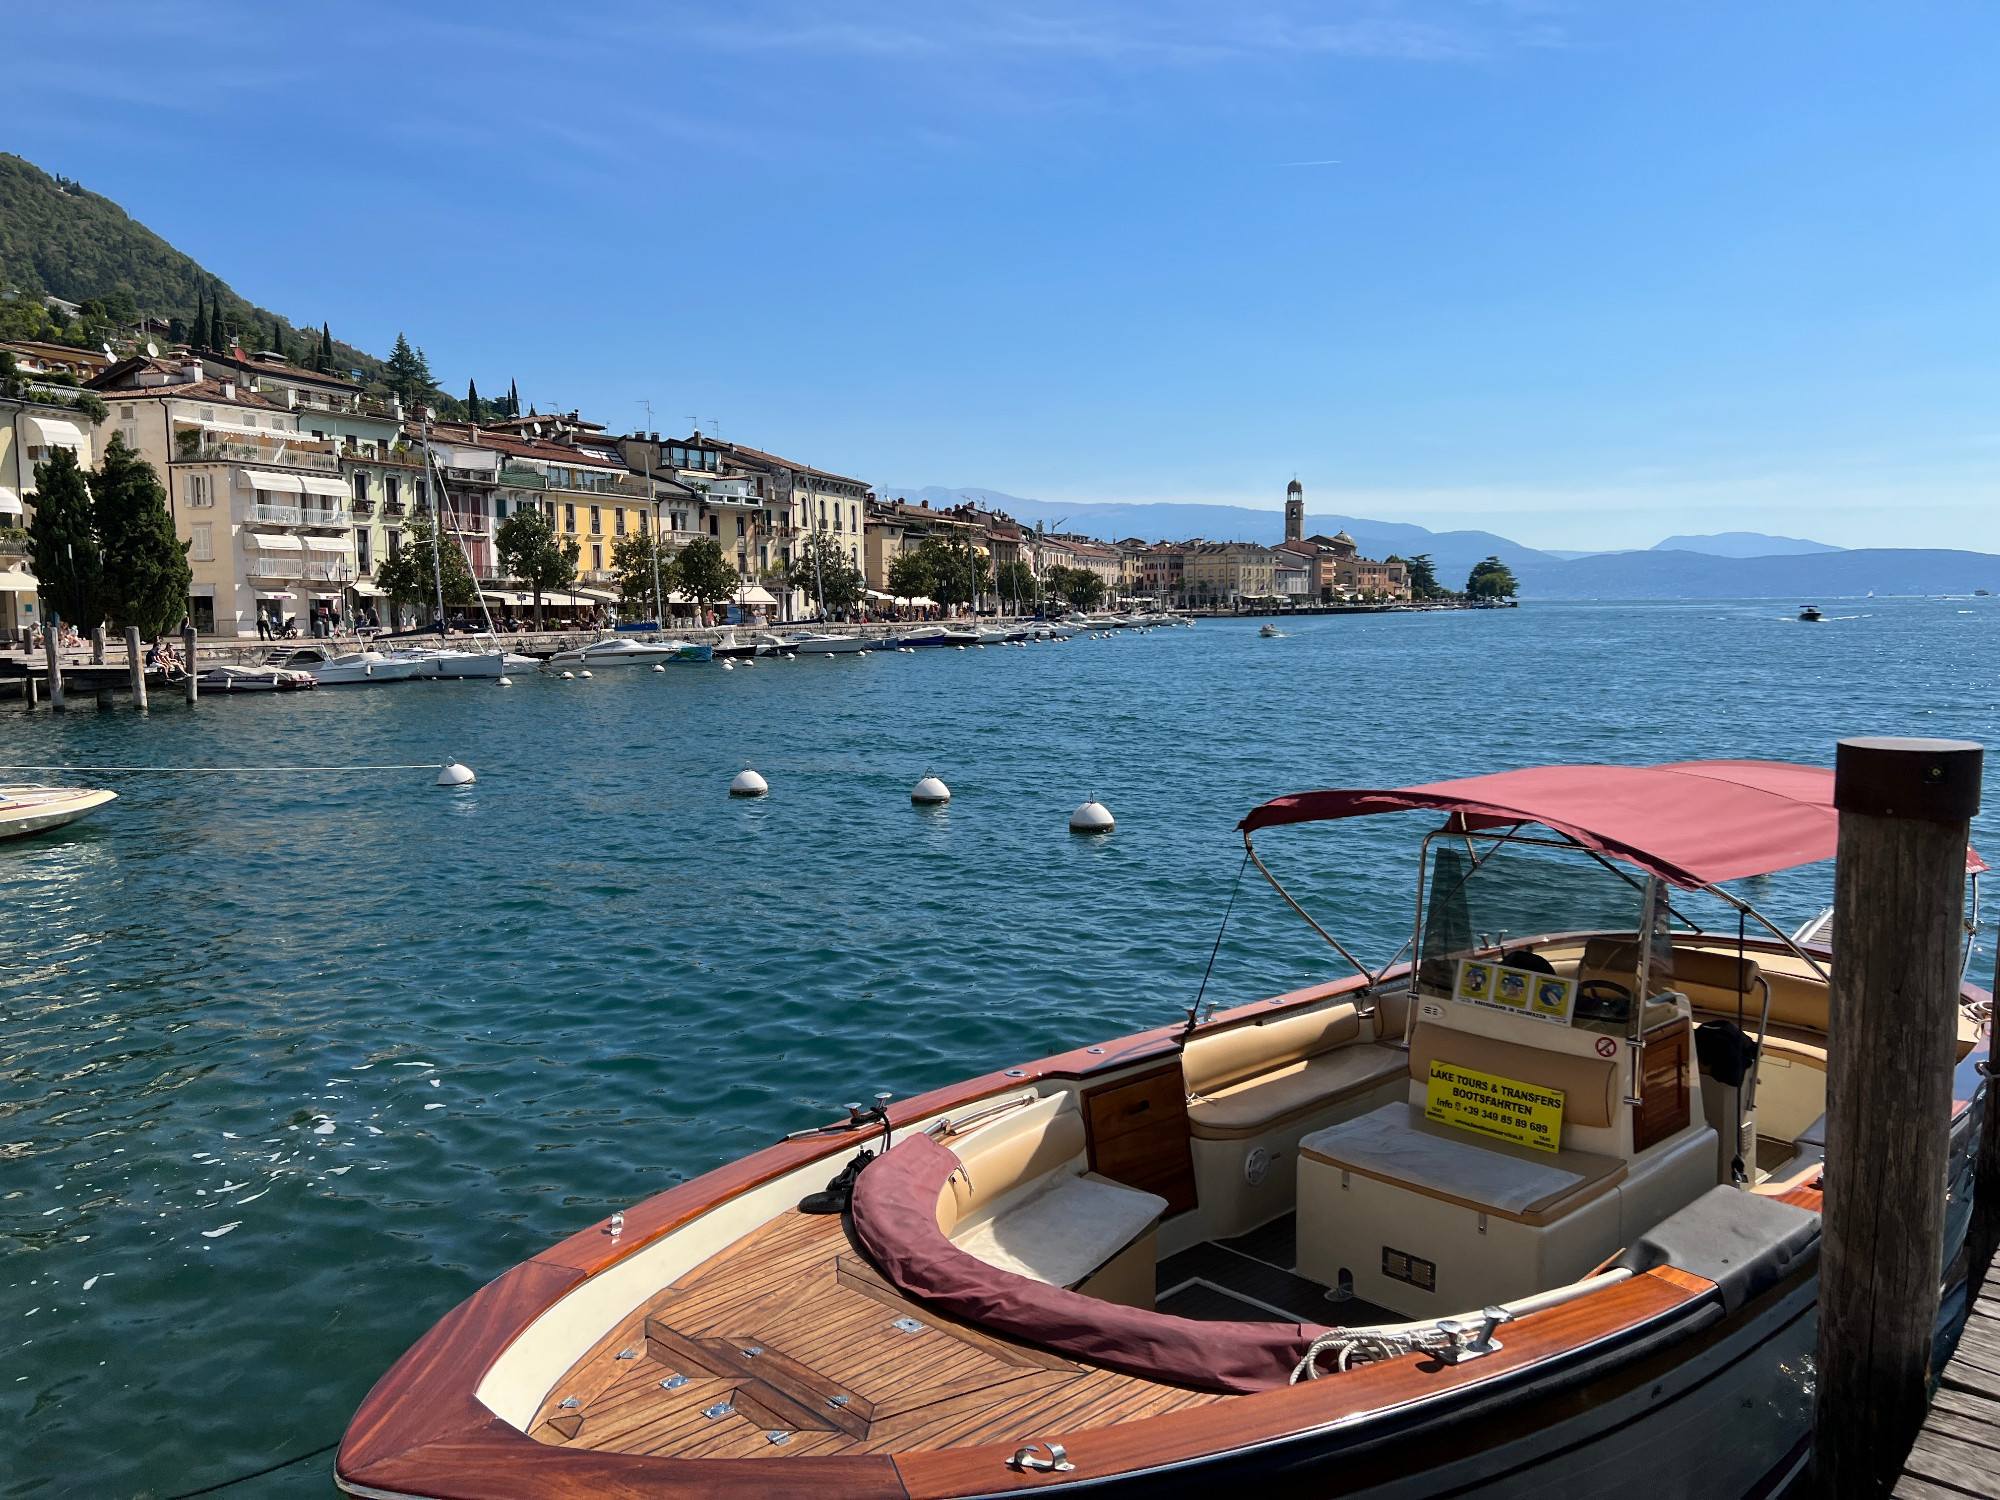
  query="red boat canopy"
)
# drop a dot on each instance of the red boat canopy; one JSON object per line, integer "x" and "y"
{"x": 1695, "y": 823}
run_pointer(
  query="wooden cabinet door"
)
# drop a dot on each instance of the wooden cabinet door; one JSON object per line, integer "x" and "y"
{"x": 1138, "y": 1135}
{"x": 1663, "y": 1087}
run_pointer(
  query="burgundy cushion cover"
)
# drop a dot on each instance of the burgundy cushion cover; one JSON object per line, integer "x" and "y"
{"x": 895, "y": 1218}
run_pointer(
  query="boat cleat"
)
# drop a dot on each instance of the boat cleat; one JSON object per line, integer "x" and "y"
{"x": 1472, "y": 1337}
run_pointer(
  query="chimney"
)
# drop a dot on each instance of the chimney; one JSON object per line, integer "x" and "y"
{"x": 228, "y": 390}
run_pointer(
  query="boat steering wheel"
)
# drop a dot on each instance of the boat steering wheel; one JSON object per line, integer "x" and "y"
{"x": 1603, "y": 1000}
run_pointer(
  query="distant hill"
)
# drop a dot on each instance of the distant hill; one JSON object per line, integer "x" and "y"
{"x": 1743, "y": 544}
{"x": 1805, "y": 571}
{"x": 60, "y": 239}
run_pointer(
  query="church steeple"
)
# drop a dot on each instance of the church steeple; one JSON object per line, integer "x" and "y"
{"x": 1295, "y": 511}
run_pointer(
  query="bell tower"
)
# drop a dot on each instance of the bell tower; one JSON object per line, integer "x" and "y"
{"x": 1295, "y": 511}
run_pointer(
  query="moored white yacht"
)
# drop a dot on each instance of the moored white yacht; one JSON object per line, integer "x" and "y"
{"x": 819, "y": 643}
{"x": 349, "y": 668}
{"x": 36, "y": 809}
{"x": 623, "y": 651}
{"x": 1534, "y": 1214}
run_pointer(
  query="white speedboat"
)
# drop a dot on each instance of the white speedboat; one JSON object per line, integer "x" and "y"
{"x": 959, "y": 636}
{"x": 348, "y": 669}
{"x": 254, "y": 680}
{"x": 990, "y": 635}
{"x": 443, "y": 662}
{"x": 628, "y": 652}
{"x": 35, "y": 809}
{"x": 813, "y": 643}
{"x": 1269, "y": 632}
{"x": 922, "y": 635}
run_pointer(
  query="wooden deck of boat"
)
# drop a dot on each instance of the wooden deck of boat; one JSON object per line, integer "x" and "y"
{"x": 789, "y": 1343}
{"x": 1957, "y": 1452}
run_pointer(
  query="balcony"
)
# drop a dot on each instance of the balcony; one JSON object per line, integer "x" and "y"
{"x": 317, "y": 458}
{"x": 523, "y": 479}
{"x": 624, "y": 485}
{"x": 304, "y": 566}
{"x": 292, "y": 515}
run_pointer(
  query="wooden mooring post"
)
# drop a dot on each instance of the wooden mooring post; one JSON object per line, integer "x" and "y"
{"x": 1905, "y": 808}
{"x": 97, "y": 660}
{"x": 187, "y": 644}
{"x": 137, "y": 665}
{"x": 51, "y": 634}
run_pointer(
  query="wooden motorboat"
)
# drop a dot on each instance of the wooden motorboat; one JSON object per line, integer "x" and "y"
{"x": 1527, "y": 1215}
{"x": 36, "y": 809}
{"x": 255, "y": 680}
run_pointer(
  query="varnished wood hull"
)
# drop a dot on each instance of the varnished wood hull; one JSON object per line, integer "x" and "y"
{"x": 1644, "y": 1388}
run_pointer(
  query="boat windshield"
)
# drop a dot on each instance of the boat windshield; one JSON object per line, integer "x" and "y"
{"x": 1520, "y": 890}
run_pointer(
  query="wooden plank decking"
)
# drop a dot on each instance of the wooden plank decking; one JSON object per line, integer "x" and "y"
{"x": 1957, "y": 1453}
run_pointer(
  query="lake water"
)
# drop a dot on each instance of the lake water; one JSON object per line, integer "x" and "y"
{"x": 402, "y": 1037}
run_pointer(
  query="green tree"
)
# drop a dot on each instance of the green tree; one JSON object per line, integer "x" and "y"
{"x": 704, "y": 574}
{"x": 1491, "y": 579}
{"x": 410, "y": 577}
{"x": 1015, "y": 582}
{"x": 909, "y": 575}
{"x": 1423, "y": 578}
{"x": 472, "y": 413}
{"x": 1081, "y": 587}
{"x": 325, "y": 363}
{"x": 959, "y": 571}
{"x": 513, "y": 399}
{"x": 531, "y": 551}
{"x": 826, "y": 572}
{"x": 218, "y": 336}
{"x": 62, "y": 539}
{"x": 408, "y": 373}
{"x": 278, "y": 341}
{"x": 145, "y": 571}
{"x": 198, "y": 335}
{"x": 632, "y": 561}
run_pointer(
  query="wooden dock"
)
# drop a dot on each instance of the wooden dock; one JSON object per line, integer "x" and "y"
{"x": 1958, "y": 1451}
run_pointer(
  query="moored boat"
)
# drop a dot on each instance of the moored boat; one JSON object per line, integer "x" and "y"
{"x": 625, "y": 652}
{"x": 1490, "y": 1215}
{"x": 818, "y": 643}
{"x": 448, "y": 663}
{"x": 349, "y": 668}
{"x": 36, "y": 809}
{"x": 254, "y": 680}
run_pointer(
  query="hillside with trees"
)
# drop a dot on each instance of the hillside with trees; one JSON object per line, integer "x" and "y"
{"x": 59, "y": 239}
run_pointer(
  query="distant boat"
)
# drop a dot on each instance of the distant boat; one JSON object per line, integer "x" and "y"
{"x": 631, "y": 653}
{"x": 1270, "y": 631}
{"x": 331, "y": 670}
{"x": 1809, "y": 613}
{"x": 34, "y": 809}
{"x": 1982, "y": 593}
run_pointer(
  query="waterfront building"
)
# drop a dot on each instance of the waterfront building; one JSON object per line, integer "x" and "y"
{"x": 261, "y": 503}
{"x": 1099, "y": 558}
{"x": 1291, "y": 576}
{"x": 1159, "y": 568}
{"x": 1224, "y": 574}
{"x": 1337, "y": 570}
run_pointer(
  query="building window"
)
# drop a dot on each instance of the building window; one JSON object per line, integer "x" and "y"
{"x": 853, "y": 518}
{"x": 361, "y": 535}
{"x": 423, "y": 494}
{"x": 642, "y": 523}
{"x": 202, "y": 613}
{"x": 196, "y": 492}
{"x": 596, "y": 521}
{"x": 618, "y": 521}
{"x": 361, "y": 487}
{"x": 208, "y": 414}
{"x": 127, "y": 413}
{"x": 596, "y": 557}
{"x": 392, "y": 489}
{"x": 202, "y": 544}
{"x": 742, "y": 527}
{"x": 715, "y": 526}
{"x": 395, "y": 544}
{"x": 569, "y": 518}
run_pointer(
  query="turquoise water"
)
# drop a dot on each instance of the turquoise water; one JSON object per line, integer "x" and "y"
{"x": 402, "y": 1037}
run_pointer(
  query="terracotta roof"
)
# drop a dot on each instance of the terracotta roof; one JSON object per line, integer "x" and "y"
{"x": 187, "y": 390}
{"x": 541, "y": 449}
{"x": 251, "y": 364}
{"x": 768, "y": 460}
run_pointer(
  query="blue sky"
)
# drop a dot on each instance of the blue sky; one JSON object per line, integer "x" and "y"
{"x": 1582, "y": 274}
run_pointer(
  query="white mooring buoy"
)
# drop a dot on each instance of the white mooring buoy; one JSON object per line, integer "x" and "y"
{"x": 658, "y": 668}
{"x": 454, "y": 774}
{"x": 930, "y": 792}
{"x": 748, "y": 784}
{"x": 568, "y": 675}
{"x": 583, "y": 674}
{"x": 729, "y": 666}
{"x": 1092, "y": 817}
{"x": 503, "y": 682}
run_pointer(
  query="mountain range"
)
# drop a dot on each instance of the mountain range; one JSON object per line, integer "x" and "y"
{"x": 1726, "y": 565}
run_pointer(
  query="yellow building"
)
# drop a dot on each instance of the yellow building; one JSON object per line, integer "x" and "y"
{"x": 1225, "y": 573}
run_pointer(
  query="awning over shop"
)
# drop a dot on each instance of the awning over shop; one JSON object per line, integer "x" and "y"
{"x": 281, "y": 484}
{"x": 262, "y": 595}
{"x": 54, "y": 432}
{"x": 266, "y": 543}
{"x": 752, "y": 595}
{"x": 326, "y": 543}
{"x": 369, "y": 591}
{"x": 17, "y": 581}
{"x": 10, "y": 503}
{"x": 320, "y": 484}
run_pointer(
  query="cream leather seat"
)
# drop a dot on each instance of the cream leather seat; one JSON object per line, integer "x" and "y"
{"x": 1254, "y": 1080}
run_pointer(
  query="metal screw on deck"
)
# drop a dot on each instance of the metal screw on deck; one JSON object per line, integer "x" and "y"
{"x": 1905, "y": 810}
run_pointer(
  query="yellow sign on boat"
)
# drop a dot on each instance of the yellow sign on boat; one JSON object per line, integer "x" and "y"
{"x": 1523, "y": 1113}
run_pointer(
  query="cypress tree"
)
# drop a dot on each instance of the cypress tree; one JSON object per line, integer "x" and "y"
{"x": 513, "y": 399}
{"x": 325, "y": 365}
{"x": 63, "y": 541}
{"x": 218, "y": 339}
{"x": 278, "y": 338}
{"x": 198, "y": 335}
{"x": 146, "y": 574}
{"x": 472, "y": 401}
